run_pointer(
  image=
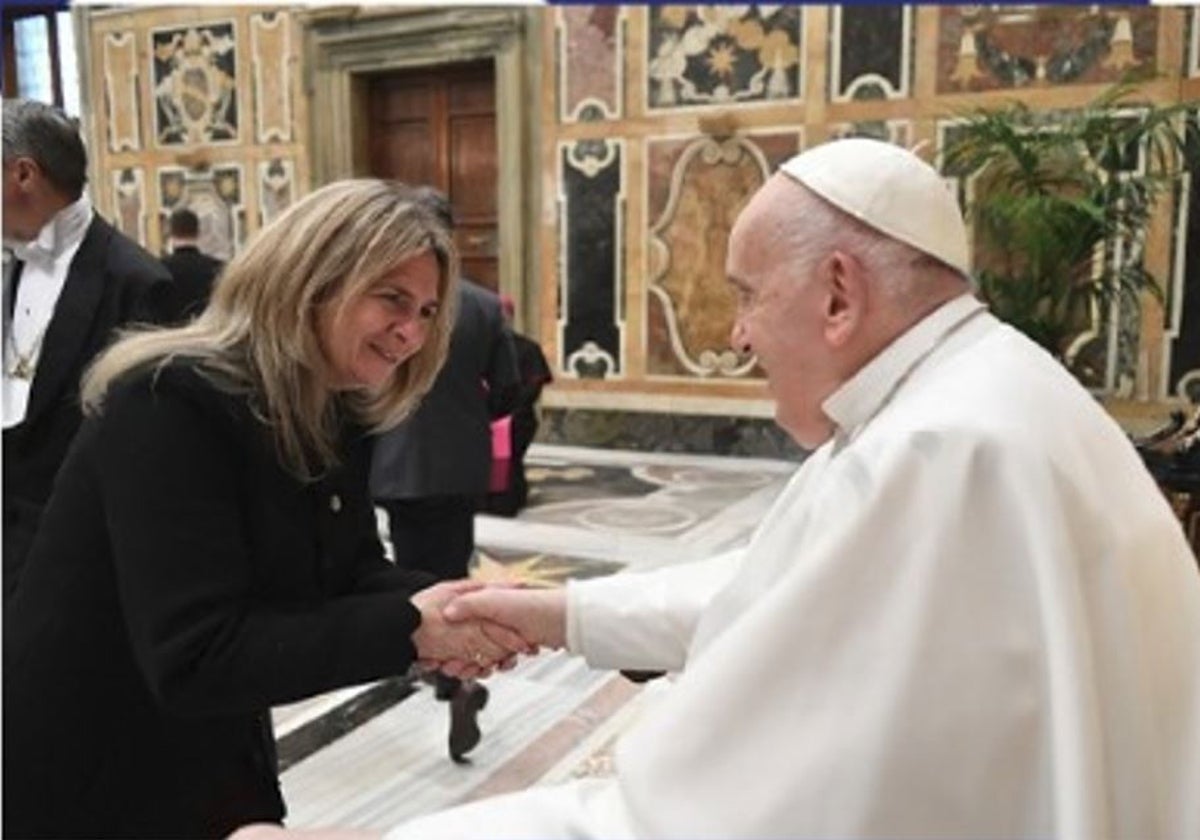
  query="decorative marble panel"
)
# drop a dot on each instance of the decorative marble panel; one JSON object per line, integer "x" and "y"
{"x": 215, "y": 196}
{"x": 893, "y": 131}
{"x": 195, "y": 84}
{"x": 1194, "y": 50}
{"x": 270, "y": 51}
{"x": 984, "y": 48}
{"x": 121, "y": 92}
{"x": 1184, "y": 297}
{"x": 696, "y": 189}
{"x": 591, "y": 208}
{"x": 719, "y": 55}
{"x": 870, "y": 52}
{"x": 129, "y": 197}
{"x": 276, "y": 188}
{"x": 590, "y": 62}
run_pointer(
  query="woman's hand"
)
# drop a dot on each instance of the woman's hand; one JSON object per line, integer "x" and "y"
{"x": 468, "y": 649}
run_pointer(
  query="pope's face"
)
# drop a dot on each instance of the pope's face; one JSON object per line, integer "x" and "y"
{"x": 779, "y": 320}
{"x": 368, "y": 338}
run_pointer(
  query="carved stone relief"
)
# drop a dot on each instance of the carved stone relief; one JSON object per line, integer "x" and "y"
{"x": 718, "y": 55}
{"x": 590, "y": 62}
{"x": 195, "y": 87}
{"x": 270, "y": 52}
{"x": 121, "y": 92}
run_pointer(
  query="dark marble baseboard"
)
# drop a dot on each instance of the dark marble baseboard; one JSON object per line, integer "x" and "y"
{"x": 324, "y": 730}
{"x": 654, "y": 432}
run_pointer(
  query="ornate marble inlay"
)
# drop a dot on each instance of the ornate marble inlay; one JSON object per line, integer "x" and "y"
{"x": 1183, "y": 333}
{"x": 215, "y": 196}
{"x": 990, "y": 47}
{"x": 710, "y": 184}
{"x": 870, "y": 52}
{"x": 590, "y": 62}
{"x": 276, "y": 188}
{"x": 129, "y": 197}
{"x": 893, "y": 131}
{"x": 718, "y": 55}
{"x": 120, "y": 61}
{"x": 270, "y": 50}
{"x": 195, "y": 84}
{"x": 1194, "y": 49}
{"x": 591, "y": 203}
{"x": 696, "y": 189}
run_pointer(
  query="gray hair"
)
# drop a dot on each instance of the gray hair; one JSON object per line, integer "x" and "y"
{"x": 51, "y": 139}
{"x": 901, "y": 271}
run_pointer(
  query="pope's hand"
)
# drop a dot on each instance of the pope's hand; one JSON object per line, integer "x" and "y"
{"x": 537, "y": 615}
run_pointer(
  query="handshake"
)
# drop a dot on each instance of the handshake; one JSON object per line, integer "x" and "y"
{"x": 469, "y": 629}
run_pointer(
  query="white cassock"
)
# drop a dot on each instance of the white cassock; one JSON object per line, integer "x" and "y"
{"x": 970, "y": 614}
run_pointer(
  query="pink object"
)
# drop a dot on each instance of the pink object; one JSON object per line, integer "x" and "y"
{"x": 501, "y": 454}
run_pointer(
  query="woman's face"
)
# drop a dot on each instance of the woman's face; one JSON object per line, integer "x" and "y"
{"x": 376, "y": 332}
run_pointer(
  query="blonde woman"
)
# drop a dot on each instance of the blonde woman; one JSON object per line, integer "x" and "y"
{"x": 210, "y": 548}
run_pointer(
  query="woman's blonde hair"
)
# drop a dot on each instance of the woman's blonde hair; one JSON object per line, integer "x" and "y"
{"x": 258, "y": 338}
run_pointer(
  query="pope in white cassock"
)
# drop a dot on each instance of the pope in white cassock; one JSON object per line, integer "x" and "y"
{"x": 971, "y": 613}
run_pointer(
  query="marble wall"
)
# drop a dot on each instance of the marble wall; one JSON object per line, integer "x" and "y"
{"x": 691, "y": 108}
{"x": 650, "y": 127}
{"x": 194, "y": 107}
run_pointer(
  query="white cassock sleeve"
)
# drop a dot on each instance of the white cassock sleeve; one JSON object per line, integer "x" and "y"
{"x": 644, "y": 620}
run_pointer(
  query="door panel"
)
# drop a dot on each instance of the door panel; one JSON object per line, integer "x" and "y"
{"x": 437, "y": 126}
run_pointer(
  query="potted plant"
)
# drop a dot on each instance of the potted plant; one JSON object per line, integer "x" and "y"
{"x": 1060, "y": 205}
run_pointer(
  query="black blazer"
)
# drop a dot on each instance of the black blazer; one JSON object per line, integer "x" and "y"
{"x": 445, "y": 447}
{"x": 183, "y": 584}
{"x": 111, "y": 282}
{"x": 193, "y": 272}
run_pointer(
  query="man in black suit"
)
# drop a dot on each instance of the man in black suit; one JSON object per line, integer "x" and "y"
{"x": 70, "y": 279}
{"x": 192, "y": 270}
{"x": 534, "y": 374}
{"x": 430, "y": 474}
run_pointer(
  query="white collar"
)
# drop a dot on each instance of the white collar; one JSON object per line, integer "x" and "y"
{"x": 58, "y": 236}
{"x": 858, "y": 399}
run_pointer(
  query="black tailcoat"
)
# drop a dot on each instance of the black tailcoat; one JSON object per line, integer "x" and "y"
{"x": 111, "y": 282}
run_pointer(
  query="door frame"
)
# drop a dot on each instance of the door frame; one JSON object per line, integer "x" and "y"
{"x": 343, "y": 47}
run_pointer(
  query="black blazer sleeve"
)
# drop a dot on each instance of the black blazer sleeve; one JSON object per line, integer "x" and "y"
{"x": 210, "y": 629}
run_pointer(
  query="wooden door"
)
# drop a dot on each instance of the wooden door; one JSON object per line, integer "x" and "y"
{"x": 437, "y": 126}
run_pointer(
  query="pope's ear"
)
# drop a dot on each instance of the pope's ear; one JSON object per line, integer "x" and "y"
{"x": 845, "y": 297}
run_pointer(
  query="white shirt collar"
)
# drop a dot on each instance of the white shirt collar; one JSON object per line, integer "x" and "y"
{"x": 59, "y": 235}
{"x": 861, "y": 396}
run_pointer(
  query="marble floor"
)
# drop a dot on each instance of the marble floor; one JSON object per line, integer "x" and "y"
{"x": 375, "y": 755}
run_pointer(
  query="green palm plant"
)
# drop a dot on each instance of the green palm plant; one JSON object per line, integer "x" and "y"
{"x": 1061, "y": 205}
